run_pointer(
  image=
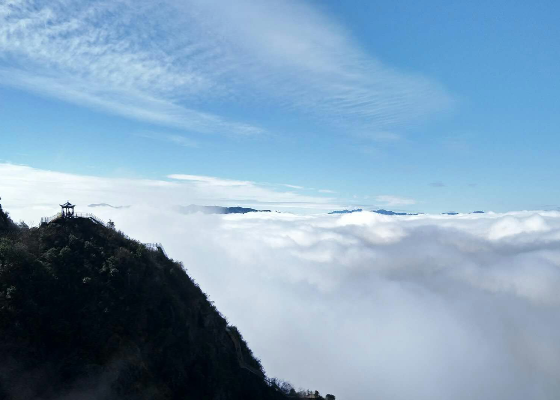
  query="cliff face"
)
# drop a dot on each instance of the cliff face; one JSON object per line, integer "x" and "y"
{"x": 86, "y": 313}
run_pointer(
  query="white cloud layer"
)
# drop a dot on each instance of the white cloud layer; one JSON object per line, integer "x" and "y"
{"x": 362, "y": 305}
{"x": 167, "y": 62}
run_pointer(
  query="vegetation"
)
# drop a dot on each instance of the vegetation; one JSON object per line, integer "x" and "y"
{"x": 87, "y": 313}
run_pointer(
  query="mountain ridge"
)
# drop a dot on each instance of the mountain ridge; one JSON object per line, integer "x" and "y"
{"x": 193, "y": 209}
{"x": 86, "y": 312}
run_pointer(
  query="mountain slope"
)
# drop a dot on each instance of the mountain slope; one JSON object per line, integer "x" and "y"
{"x": 87, "y": 313}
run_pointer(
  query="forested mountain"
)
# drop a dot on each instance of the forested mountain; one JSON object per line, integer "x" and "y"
{"x": 87, "y": 313}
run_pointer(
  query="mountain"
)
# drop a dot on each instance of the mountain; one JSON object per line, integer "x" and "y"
{"x": 88, "y": 313}
{"x": 106, "y": 205}
{"x": 346, "y": 211}
{"x": 381, "y": 211}
{"x": 388, "y": 212}
{"x": 193, "y": 209}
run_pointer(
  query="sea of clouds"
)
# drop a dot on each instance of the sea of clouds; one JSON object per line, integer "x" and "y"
{"x": 364, "y": 306}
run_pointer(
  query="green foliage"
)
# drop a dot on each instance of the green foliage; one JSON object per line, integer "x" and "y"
{"x": 6, "y": 224}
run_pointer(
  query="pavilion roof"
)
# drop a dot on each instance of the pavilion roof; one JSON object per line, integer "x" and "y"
{"x": 67, "y": 205}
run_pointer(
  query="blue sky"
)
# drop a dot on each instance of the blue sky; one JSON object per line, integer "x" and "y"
{"x": 424, "y": 106}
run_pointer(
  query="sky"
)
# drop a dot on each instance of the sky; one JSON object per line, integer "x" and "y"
{"x": 363, "y": 306}
{"x": 133, "y": 110}
{"x": 428, "y": 106}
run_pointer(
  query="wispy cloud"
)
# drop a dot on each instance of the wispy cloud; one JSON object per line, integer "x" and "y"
{"x": 167, "y": 63}
{"x": 437, "y": 184}
{"x": 140, "y": 105}
{"x": 210, "y": 180}
{"x": 326, "y": 69}
{"x": 394, "y": 200}
{"x": 106, "y": 55}
{"x": 293, "y": 186}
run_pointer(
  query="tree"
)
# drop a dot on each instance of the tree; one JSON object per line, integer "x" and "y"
{"x": 23, "y": 225}
{"x": 330, "y": 397}
{"x": 286, "y": 387}
{"x": 5, "y": 221}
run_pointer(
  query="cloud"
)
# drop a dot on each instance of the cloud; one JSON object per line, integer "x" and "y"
{"x": 326, "y": 191}
{"x": 105, "y": 55}
{"x": 394, "y": 200}
{"x": 327, "y": 71}
{"x": 360, "y": 305}
{"x": 138, "y": 105}
{"x": 437, "y": 184}
{"x": 172, "y": 62}
{"x": 19, "y": 182}
{"x": 510, "y": 226}
{"x": 293, "y": 186}
{"x": 209, "y": 180}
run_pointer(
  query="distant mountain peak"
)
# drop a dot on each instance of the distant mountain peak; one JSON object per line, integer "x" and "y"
{"x": 346, "y": 211}
{"x": 106, "y": 205}
{"x": 193, "y": 209}
{"x": 388, "y": 212}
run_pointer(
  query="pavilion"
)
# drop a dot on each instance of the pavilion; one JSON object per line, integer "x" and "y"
{"x": 67, "y": 210}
